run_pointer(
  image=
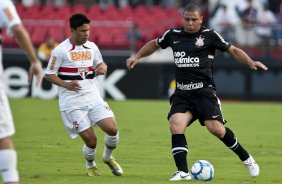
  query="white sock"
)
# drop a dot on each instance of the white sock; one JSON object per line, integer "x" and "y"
{"x": 110, "y": 144}
{"x": 8, "y": 165}
{"x": 107, "y": 154}
{"x": 89, "y": 155}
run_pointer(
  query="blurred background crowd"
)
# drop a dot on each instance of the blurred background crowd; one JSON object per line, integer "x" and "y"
{"x": 254, "y": 25}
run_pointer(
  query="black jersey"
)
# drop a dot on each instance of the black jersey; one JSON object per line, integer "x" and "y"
{"x": 193, "y": 56}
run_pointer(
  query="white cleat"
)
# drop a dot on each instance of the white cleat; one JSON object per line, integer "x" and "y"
{"x": 180, "y": 176}
{"x": 252, "y": 166}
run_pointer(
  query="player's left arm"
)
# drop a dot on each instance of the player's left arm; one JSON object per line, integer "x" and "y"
{"x": 242, "y": 57}
{"x": 101, "y": 69}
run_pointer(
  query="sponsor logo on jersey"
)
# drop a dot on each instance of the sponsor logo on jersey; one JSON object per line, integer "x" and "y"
{"x": 199, "y": 41}
{"x": 190, "y": 86}
{"x": 52, "y": 65}
{"x": 80, "y": 55}
{"x": 9, "y": 14}
{"x": 182, "y": 60}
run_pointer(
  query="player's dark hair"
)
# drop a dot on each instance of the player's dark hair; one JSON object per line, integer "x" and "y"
{"x": 77, "y": 20}
{"x": 191, "y": 8}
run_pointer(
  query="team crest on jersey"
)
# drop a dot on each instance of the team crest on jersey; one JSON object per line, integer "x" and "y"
{"x": 83, "y": 72}
{"x": 199, "y": 41}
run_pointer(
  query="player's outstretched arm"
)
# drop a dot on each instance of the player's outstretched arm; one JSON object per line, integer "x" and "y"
{"x": 148, "y": 49}
{"x": 23, "y": 39}
{"x": 242, "y": 57}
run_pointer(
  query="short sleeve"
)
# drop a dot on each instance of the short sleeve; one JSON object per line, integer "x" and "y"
{"x": 8, "y": 16}
{"x": 163, "y": 40}
{"x": 55, "y": 62}
{"x": 219, "y": 42}
{"x": 97, "y": 56}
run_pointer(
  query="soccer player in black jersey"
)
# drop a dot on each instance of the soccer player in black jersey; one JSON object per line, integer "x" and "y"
{"x": 195, "y": 96}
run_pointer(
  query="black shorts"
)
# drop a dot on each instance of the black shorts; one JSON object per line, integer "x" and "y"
{"x": 202, "y": 103}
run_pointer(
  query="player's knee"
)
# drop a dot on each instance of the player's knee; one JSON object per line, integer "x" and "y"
{"x": 111, "y": 141}
{"x": 112, "y": 131}
{"x": 6, "y": 143}
{"x": 91, "y": 143}
{"x": 177, "y": 128}
{"x": 173, "y": 119}
{"x": 217, "y": 129}
{"x": 217, "y": 133}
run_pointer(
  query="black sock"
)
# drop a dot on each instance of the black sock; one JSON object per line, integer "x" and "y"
{"x": 179, "y": 151}
{"x": 231, "y": 142}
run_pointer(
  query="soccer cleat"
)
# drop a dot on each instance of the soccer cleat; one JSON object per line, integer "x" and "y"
{"x": 93, "y": 171}
{"x": 114, "y": 166}
{"x": 252, "y": 166}
{"x": 180, "y": 176}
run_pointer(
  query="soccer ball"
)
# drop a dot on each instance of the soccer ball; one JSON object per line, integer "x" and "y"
{"x": 202, "y": 170}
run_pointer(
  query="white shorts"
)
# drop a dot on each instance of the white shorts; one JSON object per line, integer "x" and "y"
{"x": 7, "y": 127}
{"x": 78, "y": 120}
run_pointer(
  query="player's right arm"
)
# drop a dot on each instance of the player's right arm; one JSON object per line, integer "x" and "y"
{"x": 148, "y": 49}
{"x": 54, "y": 79}
{"x": 52, "y": 69}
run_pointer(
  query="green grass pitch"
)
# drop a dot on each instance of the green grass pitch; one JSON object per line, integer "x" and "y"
{"x": 47, "y": 155}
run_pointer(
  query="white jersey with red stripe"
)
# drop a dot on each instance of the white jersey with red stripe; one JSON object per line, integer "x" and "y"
{"x": 8, "y": 18}
{"x": 76, "y": 62}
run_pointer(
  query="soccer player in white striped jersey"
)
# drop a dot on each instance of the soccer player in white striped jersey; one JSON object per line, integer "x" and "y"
{"x": 73, "y": 65}
{"x": 10, "y": 21}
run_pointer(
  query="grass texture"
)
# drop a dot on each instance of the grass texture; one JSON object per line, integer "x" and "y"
{"x": 47, "y": 155}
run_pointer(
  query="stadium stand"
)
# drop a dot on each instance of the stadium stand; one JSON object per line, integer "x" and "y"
{"x": 110, "y": 25}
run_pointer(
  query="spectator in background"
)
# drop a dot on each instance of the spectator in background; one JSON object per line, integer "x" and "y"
{"x": 246, "y": 31}
{"x": 104, "y": 4}
{"x": 134, "y": 35}
{"x": 275, "y": 7}
{"x": 45, "y": 49}
{"x": 266, "y": 20}
{"x": 224, "y": 21}
{"x": 133, "y": 3}
{"x": 10, "y": 20}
